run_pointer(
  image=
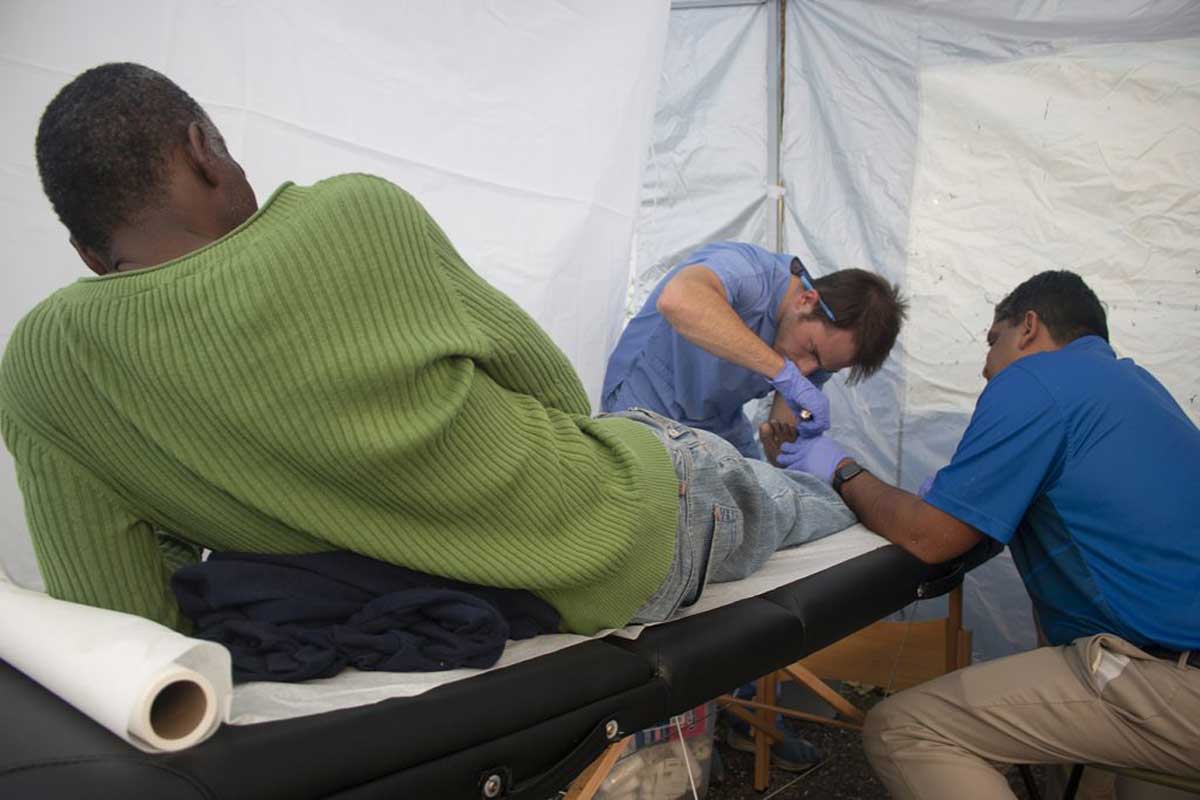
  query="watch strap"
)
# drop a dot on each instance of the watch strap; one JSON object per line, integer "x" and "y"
{"x": 845, "y": 473}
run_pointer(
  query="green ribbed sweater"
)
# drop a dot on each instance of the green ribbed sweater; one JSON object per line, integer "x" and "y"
{"x": 329, "y": 375}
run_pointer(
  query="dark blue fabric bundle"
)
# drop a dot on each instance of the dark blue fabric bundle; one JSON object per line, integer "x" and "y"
{"x": 298, "y": 617}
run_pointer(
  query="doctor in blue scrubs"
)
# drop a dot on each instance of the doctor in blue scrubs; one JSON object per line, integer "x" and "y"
{"x": 731, "y": 323}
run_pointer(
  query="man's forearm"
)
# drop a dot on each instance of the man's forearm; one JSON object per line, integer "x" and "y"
{"x": 904, "y": 519}
{"x": 695, "y": 305}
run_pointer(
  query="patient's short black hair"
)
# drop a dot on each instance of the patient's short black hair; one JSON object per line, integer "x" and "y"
{"x": 1064, "y": 303}
{"x": 103, "y": 146}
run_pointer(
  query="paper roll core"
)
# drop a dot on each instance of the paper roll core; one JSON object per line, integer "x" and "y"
{"x": 178, "y": 709}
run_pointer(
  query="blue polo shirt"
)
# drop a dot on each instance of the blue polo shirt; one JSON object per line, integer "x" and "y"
{"x": 1088, "y": 469}
{"x": 654, "y": 367}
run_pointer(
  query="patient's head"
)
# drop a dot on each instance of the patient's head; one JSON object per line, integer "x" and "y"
{"x": 1046, "y": 312}
{"x": 110, "y": 149}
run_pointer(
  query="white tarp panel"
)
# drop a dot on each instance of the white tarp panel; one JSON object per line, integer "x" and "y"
{"x": 961, "y": 147}
{"x": 513, "y": 122}
{"x": 705, "y": 179}
{"x": 1087, "y": 160}
{"x": 847, "y": 182}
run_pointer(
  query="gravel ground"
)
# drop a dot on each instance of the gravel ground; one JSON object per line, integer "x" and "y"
{"x": 843, "y": 775}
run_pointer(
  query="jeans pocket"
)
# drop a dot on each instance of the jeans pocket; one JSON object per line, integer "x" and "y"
{"x": 725, "y": 547}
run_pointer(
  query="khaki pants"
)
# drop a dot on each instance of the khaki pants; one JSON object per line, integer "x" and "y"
{"x": 1099, "y": 699}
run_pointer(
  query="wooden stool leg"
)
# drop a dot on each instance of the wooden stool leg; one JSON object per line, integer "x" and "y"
{"x": 591, "y": 779}
{"x": 953, "y": 626}
{"x": 765, "y": 693}
{"x": 737, "y": 707}
{"x": 801, "y": 674}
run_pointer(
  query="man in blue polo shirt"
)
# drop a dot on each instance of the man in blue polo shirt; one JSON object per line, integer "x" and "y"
{"x": 734, "y": 321}
{"x": 1087, "y": 468}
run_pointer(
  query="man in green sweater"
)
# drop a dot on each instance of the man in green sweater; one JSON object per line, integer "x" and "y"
{"x": 325, "y": 372}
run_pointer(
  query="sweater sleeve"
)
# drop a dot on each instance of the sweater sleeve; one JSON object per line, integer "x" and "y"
{"x": 90, "y": 547}
{"x": 177, "y": 553}
{"x": 522, "y": 357}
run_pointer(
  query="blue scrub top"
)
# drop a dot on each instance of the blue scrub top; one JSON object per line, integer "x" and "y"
{"x": 1088, "y": 469}
{"x": 654, "y": 367}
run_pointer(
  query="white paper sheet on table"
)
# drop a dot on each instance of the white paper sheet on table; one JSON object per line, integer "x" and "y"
{"x": 264, "y": 702}
{"x": 113, "y": 667}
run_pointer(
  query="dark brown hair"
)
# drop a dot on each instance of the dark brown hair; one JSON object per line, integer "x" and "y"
{"x": 865, "y": 303}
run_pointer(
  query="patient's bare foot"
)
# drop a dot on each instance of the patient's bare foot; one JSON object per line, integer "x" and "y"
{"x": 772, "y": 434}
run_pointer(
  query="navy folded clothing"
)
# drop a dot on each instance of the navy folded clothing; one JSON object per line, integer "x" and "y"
{"x": 298, "y": 617}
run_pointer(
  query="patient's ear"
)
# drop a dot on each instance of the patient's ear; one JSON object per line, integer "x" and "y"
{"x": 201, "y": 155}
{"x": 94, "y": 261}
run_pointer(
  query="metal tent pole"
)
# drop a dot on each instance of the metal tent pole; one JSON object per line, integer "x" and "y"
{"x": 775, "y": 80}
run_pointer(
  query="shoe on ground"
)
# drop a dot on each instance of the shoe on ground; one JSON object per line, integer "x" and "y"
{"x": 792, "y": 754}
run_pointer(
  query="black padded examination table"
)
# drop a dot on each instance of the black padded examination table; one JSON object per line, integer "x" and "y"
{"x": 530, "y": 728}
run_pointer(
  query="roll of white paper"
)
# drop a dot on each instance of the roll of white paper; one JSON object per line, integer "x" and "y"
{"x": 155, "y": 688}
{"x": 178, "y": 709}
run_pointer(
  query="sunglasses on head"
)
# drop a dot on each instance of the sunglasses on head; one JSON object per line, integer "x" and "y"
{"x": 801, "y": 272}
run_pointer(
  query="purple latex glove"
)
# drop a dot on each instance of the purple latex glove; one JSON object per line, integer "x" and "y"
{"x": 818, "y": 456}
{"x": 926, "y": 485}
{"x": 801, "y": 395}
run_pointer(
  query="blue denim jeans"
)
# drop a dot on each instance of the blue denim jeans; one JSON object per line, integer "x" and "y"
{"x": 734, "y": 512}
{"x": 740, "y": 432}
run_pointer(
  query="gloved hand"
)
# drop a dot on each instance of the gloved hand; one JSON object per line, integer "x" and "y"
{"x": 818, "y": 456}
{"x": 926, "y": 485}
{"x": 800, "y": 394}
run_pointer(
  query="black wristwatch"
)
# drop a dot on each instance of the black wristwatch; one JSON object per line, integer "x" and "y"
{"x": 844, "y": 473}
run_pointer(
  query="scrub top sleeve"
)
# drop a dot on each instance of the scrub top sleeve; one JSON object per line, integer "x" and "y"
{"x": 1012, "y": 450}
{"x": 745, "y": 281}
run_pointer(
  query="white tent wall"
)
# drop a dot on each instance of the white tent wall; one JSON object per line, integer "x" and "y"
{"x": 870, "y": 157}
{"x": 511, "y": 121}
{"x": 705, "y": 179}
